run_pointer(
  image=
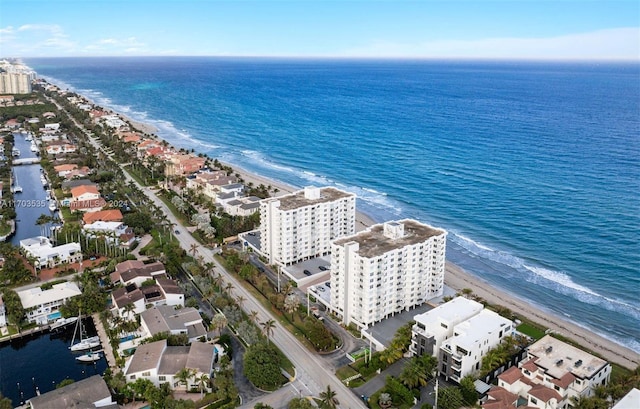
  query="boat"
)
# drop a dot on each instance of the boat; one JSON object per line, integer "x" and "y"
{"x": 53, "y": 206}
{"x": 15, "y": 152}
{"x": 62, "y": 322}
{"x": 16, "y": 187}
{"x": 89, "y": 357}
{"x": 84, "y": 343}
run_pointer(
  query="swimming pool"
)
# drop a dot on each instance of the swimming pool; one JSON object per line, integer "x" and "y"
{"x": 54, "y": 316}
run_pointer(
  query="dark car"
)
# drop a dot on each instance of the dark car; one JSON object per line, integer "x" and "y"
{"x": 328, "y": 284}
{"x": 176, "y": 231}
{"x": 307, "y": 272}
{"x": 323, "y": 268}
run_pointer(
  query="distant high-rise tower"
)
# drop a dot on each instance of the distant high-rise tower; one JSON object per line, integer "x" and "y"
{"x": 15, "y": 83}
{"x": 385, "y": 269}
{"x": 301, "y": 225}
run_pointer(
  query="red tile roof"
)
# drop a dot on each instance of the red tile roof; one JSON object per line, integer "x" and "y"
{"x": 511, "y": 375}
{"x": 544, "y": 394}
{"x": 111, "y": 215}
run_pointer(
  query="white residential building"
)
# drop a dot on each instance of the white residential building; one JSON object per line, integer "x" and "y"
{"x": 160, "y": 363}
{"x": 462, "y": 354}
{"x": 553, "y": 372}
{"x": 3, "y": 313}
{"x": 40, "y": 305}
{"x": 436, "y": 325}
{"x": 301, "y": 225}
{"x": 46, "y": 255}
{"x": 111, "y": 230}
{"x": 15, "y": 83}
{"x": 385, "y": 269}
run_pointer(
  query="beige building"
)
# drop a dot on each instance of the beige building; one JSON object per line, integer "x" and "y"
{"x": 385, "y": 269}
{"x": 15, "y": 83}
{"x": 301, "y": 225}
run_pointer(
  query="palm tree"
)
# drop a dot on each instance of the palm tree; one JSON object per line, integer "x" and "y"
{"x": 253, "y": 316}
{"x": 240, "y": 300}
{"x": 128, "y": 310}
{"x": 291, "y": 304}
{"x": 203, "y": 381}
{"x": 267, "y": 328}
{"x": 184, "y": 375}
{"x": 228, "y": 288}
{"x": 328, "y": 398}
{"x": 413, "y": 374}
{"x": 219, "y": 321}
{"x": 384, "y": 400}
{"x": 217, "y": 281}
{"x": 193, "y": 249}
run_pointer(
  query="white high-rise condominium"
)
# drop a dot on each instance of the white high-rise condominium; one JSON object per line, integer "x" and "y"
{"x": 301, "y": 225}
{"x": 385, "y": 269}
{"x": 15, "y": 83}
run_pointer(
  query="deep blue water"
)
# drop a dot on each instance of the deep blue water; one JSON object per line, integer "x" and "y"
{"x": 42, "y": 361}
{"x": 533, "y": 168}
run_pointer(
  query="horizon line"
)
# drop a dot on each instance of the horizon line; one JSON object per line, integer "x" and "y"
{"x": 320, "y": 57}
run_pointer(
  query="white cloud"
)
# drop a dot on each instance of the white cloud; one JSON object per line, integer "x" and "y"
{"x": 617, "y": 43}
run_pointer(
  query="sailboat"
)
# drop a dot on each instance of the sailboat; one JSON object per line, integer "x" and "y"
{"x": 89, "y": 357}
{"x": 84, "y": 343}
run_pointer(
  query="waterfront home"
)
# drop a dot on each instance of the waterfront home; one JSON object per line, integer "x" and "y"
{"x": 161, "y": 291}
{"x": 42, "y": 306}
{"x": 462, "y": 354}
{"x": 70, "y": 184}
{"x": 552, "y": 373}
{"x": 78, "y": 173}
{"x": 111, "y": 231}
{"x": 166, "y": 318}
{"x": 122, "y": 297}
{"x": 43, "y": 254}
{"x": 630, "y": 401}
{"x": 181, "y": 164}
{"x": 435, "y": 326}
{"x": 63, "y": 170}
{"x": 111, "y": 215}
{"x": 84, "y": 193}
{"x": 160, "y": 363}
{"x": 242, "y": 206}
{"x": 60, "y": 147}
{"x": 3, "y": 313}
{"x": 112, "y": 121}
{"x": 88, "y": 393}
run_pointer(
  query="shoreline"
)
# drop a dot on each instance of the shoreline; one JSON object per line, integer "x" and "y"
{"x": 458, "y": 279}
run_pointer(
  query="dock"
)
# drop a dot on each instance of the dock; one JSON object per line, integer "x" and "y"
{"x": 30, "y": 331}
{"x": 106, "y": 345}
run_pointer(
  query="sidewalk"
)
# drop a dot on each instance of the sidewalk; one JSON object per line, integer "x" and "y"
{"x": 106, "y": 345}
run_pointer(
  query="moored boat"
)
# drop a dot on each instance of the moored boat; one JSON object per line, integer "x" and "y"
{"x": 62, "y": 322}
{"x": 89, "y": 357}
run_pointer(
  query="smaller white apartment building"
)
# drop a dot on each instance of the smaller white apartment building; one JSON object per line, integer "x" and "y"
{"x": 462, "y": 354}
{"x": 435, "y": 326}
{"x": 40, "y": 304}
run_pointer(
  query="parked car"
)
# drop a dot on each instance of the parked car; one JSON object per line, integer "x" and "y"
{"x": 307, "y": 272}
{"x": 176, "y": 231}
{"x": 328, "y": 284}
{"x": 323, "y": 268}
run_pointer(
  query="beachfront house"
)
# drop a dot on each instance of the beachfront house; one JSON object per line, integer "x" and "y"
{"x": 160, "y": 363}
{"x": 43, "y": 254}
{"x": 386, "y": 269}
{"x": 435, "y": 326}
{"x": 301, "y": 225}
{"x": 42, "y": 306}
{"x": 551, "y": 374}
{"x": 462, "y": 354}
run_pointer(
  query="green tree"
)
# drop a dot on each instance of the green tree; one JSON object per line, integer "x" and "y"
{"x": 203, "y": 382}
{"x": 262, "y": 366}
{"x": 328, "y": 399}
{"x": 5, "y": 403}
{"x": 291, "y": 304}
{"x": 468, "y": 390}
{"x": 450, "y": 398}
{"x": 261, "y": 405}
{"x": 218, "y": 322}
{"x": 64, "y": 383}
{"x": 300, "y": 403}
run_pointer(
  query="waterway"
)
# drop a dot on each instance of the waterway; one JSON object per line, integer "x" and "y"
{"x": 43, "y": 360}
{"x": 32, "y": 202}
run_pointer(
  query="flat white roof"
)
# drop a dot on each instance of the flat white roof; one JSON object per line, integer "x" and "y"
{"x": 478, "y": 327}
{"x": 41, "y": 247}
{"x": 34, "y": 297}
{"x": 630, "y": 401}
{"x": 558, "y": 358}
{"x": 454, "y": 311}
{"x": 101, "y": 225}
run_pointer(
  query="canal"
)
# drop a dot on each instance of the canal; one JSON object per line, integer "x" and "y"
{"x": 40, "y": 361}
{"x": 32, "y": 202}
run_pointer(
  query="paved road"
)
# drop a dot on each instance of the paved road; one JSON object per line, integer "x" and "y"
{"x": 313, "y": 375}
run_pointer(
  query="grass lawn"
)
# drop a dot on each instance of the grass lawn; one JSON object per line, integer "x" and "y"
{"x": 531, "y": 330}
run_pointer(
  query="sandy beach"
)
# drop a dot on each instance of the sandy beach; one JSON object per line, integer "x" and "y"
{"x": 459, "y": 279}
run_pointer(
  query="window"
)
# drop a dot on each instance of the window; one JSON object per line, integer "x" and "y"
{"x": 132, "y": 377}
{"x": 162, "y": 378}
{"x": 533, "y": 400}
{"x": 146, "y": 373}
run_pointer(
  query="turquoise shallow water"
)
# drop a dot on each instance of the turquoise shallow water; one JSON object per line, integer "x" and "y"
{"x": 533, "y": 168}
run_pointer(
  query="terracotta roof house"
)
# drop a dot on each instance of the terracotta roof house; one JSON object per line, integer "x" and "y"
{"x": 111, "y": 215}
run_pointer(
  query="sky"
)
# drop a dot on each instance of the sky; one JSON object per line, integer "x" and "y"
{"x": 505, "y": 29}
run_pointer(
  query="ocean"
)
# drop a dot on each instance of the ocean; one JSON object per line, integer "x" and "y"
{"x": 532, "y": 167}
